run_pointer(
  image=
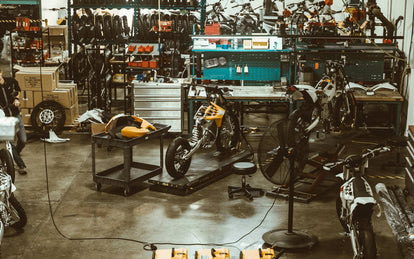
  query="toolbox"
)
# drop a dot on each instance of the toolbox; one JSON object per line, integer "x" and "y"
{"x": 268, "y": 253}
{"x": 173, "y": 253}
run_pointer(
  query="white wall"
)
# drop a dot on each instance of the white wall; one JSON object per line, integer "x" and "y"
{"x": 52, "y": 16}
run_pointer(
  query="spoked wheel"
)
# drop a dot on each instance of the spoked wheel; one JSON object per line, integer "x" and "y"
{"x": 229, "y": 133}
{"x": 7, "y": 163}
{"x": 175, "y": 163}
{"x": 366, "y": 240}
{"x": 344, "y": 112}
{"x": 18, "y": 210}
{"x": 272, "y": 153}
{"x": 48, "y": 115}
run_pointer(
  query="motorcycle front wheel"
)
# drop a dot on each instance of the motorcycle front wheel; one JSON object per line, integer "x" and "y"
{"x": 366, "y": 240}
{"x": 175, "y": 164}
{"x": 20, "y": 212}
{"x": 7, "y": 163}
{"x": 229, "y": 133}
{"x": 338, "y": 212}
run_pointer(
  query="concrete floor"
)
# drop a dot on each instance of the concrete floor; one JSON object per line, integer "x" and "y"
{"x": 88, "y": 222}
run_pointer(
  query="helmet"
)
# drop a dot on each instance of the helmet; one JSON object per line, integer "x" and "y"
{"x": 128, "y": 126}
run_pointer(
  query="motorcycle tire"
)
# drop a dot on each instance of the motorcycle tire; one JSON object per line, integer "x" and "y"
{"x": 176, "y": 167}
{"x": 366, "y": 239}
{"x": 7, "y": 163}
{"x": 338, "y": 212}
{"x": 48, "y": 115}
{"x": 229, "y": 132}
{"x": 339, "y": 114}
{"x": 20, "y": 211}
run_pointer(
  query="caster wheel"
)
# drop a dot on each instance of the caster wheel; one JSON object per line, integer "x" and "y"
{"x": 231, "y": 196}
{"x": 250, "y": 198}
{"x": 98, "y": 187}
{"x": 126, "y": 192}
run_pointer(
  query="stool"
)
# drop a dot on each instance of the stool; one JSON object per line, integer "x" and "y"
{"x": 244, "y": 168}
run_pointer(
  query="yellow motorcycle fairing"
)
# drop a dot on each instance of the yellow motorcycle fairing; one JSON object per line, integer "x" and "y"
{"x": 214, "y": 112}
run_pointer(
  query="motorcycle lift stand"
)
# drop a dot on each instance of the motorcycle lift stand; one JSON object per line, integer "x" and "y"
{"x": 205, "y": 169}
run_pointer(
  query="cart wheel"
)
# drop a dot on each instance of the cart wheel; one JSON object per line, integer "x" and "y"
{"x": 231, "y": 196}
{"x": 126, "y": 192}
{"x": 98, "y": 187}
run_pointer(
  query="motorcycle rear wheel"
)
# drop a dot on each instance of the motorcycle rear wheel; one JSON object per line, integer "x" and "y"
{"x": 20, "y": 211}
{"x": 7, "y": 163}
{"x": 344, "y": 115}
{"x": 176, "y": 166}
{"x": 229, "y": 133}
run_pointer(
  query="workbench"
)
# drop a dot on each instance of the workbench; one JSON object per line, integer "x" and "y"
{"x": 239, "y": 94}
{"x": 128, "y": 172}
{"x": 391, "y": 98}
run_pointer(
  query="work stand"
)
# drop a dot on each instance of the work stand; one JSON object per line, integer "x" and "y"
{"x": 206, "y": 168}
{"x": 129, "y": 172}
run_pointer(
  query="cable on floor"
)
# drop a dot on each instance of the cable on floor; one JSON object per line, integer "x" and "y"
{"x": 148, "y": 246}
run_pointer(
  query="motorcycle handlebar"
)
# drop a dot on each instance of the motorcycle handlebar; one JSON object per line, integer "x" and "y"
{"x": 356, "y": 159}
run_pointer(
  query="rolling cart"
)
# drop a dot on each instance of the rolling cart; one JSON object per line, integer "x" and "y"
{"x": 129, "y": 172}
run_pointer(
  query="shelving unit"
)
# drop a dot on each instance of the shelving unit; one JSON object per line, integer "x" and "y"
{"x": 29, "y": 49}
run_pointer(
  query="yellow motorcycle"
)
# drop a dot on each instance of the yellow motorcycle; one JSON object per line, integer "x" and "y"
{"x": 215, "y": 122}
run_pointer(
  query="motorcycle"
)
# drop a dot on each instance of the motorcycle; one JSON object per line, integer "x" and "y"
{"x": 215, "y": 122}
{"x": 329, "y": 103}
{"x": 12, "y": 213}
{"x": 356, "y": 202}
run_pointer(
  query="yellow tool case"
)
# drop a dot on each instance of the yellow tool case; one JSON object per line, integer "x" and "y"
{"x": 267, "y": 253}
{"x": 220, "y": 253}
{"x": 173, "y": 253}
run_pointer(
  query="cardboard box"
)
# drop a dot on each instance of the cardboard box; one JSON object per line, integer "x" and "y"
{"x": 26, "y": 99}
{"x": 73, "y": 90}
{"x": 97, "y": 128}
{"x": 61, "y": 96}
{"x": 36, "y": 79}
{"x": 26, "y": 113}
{"x": 71, "y": 114}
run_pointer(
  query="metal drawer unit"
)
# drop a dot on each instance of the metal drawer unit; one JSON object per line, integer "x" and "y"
{"x": 159, "y": 102}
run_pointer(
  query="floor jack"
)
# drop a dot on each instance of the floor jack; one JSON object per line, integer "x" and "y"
{"x": 220, "y": 253}
{"x": 268, "y": 253}
{"x": 173, "y": 253}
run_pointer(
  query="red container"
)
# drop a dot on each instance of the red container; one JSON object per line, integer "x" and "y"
{"x": 212, "y": 29}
